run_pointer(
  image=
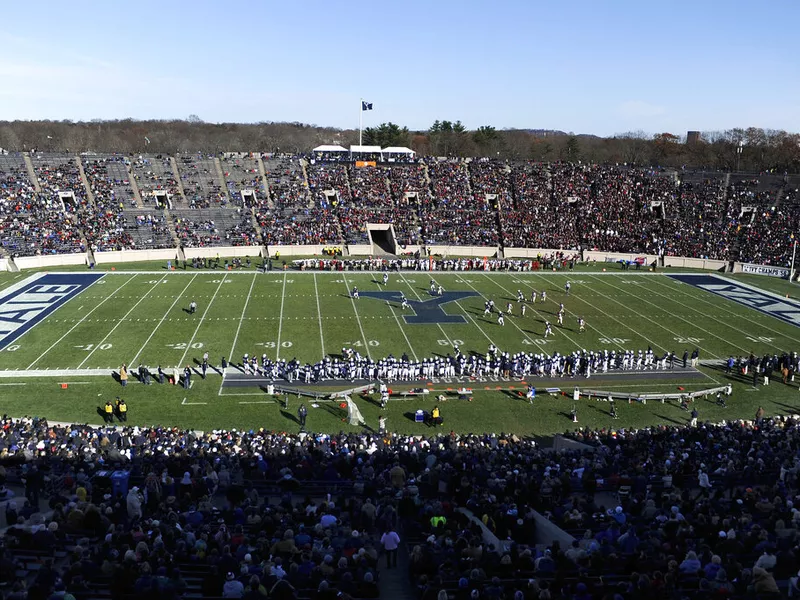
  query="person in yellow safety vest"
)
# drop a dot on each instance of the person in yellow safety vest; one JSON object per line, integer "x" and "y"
{"x": 436, "y": 521}
{"x": 109, "y": 412}
{"x": 436, "y": 416}
{"x": 122, "y": 410}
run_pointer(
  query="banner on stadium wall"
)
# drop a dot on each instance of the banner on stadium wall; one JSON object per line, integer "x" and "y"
{"x": 764, "y": 270}
{"x": 365, "y": 163}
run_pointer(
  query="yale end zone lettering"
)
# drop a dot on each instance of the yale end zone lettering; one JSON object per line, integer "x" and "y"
{"x": 784, "y": 309}
{"x": 29, "y": 304}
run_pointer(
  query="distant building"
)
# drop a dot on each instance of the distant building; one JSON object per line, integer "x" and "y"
{"x": 693, "y": 137}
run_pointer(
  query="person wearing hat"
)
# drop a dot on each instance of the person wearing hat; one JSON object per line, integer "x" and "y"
{"x": 232, "y": 588}
{"x": 123, "y": 375}
{"x": 302, "y": 413}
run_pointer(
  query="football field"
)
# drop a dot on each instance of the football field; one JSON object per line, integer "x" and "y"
{"x": 144, "y": 318}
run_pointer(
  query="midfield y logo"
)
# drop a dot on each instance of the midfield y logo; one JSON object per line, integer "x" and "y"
{"x": 427, "y": 311}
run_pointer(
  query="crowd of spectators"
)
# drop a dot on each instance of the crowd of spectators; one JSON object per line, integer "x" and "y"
{"x": 678, "y": 511}
{"x": 200, "y": 181}
{"x": 108, "y": 180}
{"x": 241, "y": 174}
{"x": 436, "y": 202}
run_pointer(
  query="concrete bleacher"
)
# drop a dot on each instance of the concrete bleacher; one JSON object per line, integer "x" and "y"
{"x": 287, "y": 185}
{"x": 108, "y": 178}
{"x": 200, "y": 180}
{"x": 241, "y": 174}
{"x": 154, "y": 175}
{"x": 200, "y": 227}
{"x": 148, "y": 229}
{"x": 59, "y": 173}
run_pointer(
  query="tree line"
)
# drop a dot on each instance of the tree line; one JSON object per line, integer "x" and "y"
{"x": 747, "y": 150}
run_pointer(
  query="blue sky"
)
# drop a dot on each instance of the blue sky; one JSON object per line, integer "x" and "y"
{"x": 582, "y": 66}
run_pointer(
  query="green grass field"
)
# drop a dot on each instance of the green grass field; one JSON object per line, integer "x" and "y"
{"x": 132, "y": 317}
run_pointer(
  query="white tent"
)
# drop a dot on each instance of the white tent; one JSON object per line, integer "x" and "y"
{"x": 329, "y": 148}
{"x": 365, "y": 149}
{"x": 398, "y": 150}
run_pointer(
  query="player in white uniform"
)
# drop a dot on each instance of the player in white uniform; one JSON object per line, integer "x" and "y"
{"x": 385, "y": 278}
{"x": 548, "y": 330}
{"x": 508, "y": 308}
{"x": 355, "y": 292}
{"x": 520, "y": 296}
{"x": 567, "y": 287}
{"x": 533, "y": 297}
{"x": 523, "y": 308}
{"x": 500, "y": 320}
{"x": 561, "y": 317}
{"x": 440, "y": 291}
{"x": 544, "y": 296}
{"x": 581, "y": 325}
{"x": 403, "y": 302}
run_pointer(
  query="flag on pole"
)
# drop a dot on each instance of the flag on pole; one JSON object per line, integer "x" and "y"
{"x": 366, "y": 105}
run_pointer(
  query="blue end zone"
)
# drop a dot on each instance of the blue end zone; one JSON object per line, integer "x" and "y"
{"x": 770, "y": 304}
{"x": 25, "y": 307}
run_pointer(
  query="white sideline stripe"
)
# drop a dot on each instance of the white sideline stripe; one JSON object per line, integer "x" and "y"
{"x": 113, "y": 329}
{"x": 461, "y": 273}
{"x": 280, "y": 320}
{"x": 714, "y": 335}
{"x": 71, "y": 329}
{"x": 355, "y": 310}
{"x": 414, "y": 291}
{"x": 319, "y": 316}
{"x": 397, "y": 319}
{"x": 512, "y": 319}
{"x": 12, "y": 384}
{"x": 261, "y": 402}
{"x": 746, "y": 311}
{"x": 205, "y": 312}
{"x": 153, "y": 332}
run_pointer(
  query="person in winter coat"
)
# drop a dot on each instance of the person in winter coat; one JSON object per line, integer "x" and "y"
{"x": 134, "y": 504}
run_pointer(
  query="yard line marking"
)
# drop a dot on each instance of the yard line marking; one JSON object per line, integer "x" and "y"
{"x": 319, "y": 316}
{"x": 469, "y": 316}
{"x": 120, "y": 322}
{"x": 512, "y": 320}
{"x": 202, "y": 318}
{"x": 355, "y": 310}
{"x": 397, "y": 319}
{"x": 414, "y": 291}
{"x": 675, "y": 315}
{"x": 261, "y": 402}
{"x": 648, "y": 340}
{"x": 185, "y": 403}
{"x": 745, "y": 311}
{"x": 280, "y": 321}
{"x": 13, "y": 384}
{"x": 239, "y": 328}
{"x": 59, "y": 340}
{"x": 164, "y": 318}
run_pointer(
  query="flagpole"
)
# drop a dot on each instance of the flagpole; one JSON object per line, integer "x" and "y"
{"x": 791, "y": 270}
{"x": 360, "y": 119}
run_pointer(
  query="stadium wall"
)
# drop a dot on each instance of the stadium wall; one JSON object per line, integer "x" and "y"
{"x": 50, "y": 260}
{"x": 125, "y": 256}
{"x": 225, "y": 251}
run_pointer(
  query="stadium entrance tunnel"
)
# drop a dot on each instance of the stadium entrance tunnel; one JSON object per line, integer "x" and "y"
{"x": 382, "y": 239}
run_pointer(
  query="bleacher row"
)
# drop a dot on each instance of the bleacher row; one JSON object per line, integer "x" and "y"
{"x": 56, "y": 203}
